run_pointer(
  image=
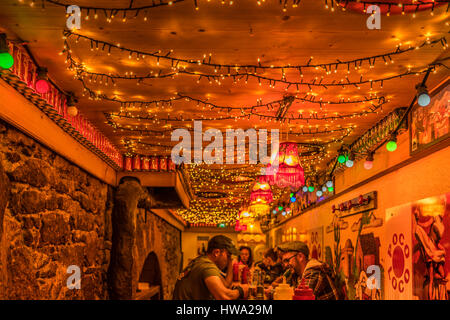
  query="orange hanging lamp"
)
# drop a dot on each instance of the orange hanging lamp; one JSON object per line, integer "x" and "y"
{"x": 259, "y": 208}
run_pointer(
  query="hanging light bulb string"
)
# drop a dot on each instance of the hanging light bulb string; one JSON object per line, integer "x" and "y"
{"x": 393, "y": 133}
{"x": 405, "y": 114}
{"x": 307, "y": 131}
{"x": 206, "y": 60}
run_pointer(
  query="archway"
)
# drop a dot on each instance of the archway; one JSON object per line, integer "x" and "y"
{"x": 150, "y": 284}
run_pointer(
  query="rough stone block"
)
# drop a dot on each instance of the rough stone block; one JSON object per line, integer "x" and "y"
{"x": 34, "y": 172}
{"x": 54, "y": 230}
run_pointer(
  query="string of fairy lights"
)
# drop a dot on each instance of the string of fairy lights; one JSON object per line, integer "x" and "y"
{"x": 206, "y": 104}
{"x": 316, "y": 82}
{"x": 168, "y": 103}
{"x": 234, "y": 72}
{"x": 131, "y": 12}
{"x": 310, "y": 75}
{"x": 223, "y": 210}
{"x": 315, "y": 153}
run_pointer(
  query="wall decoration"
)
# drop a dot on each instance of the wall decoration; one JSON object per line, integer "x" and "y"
{"x": 431, "y": 248}
{"x": 202, "y": 244}
{"x": 357, "y": 205}
{"x": 398, "y": 253}
{"x": 430, "y": 125}
{"x": 314, "y": 240}
{"x": 373, "y": 222}
{"x": 337, "y": 221}
{"x": 353, "y": 256}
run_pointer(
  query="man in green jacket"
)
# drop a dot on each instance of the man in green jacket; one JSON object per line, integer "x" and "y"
{"x": 202, "y": 279}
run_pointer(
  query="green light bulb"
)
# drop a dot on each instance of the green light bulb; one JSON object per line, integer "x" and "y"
{"x": 280, "y": 208}
{"x": 391, "y": 146}
{"x": 6, "y": 60}
{"x": 330, "y": 189}
{"x": 311, "y": 189}
{"x": 342, "y": 158}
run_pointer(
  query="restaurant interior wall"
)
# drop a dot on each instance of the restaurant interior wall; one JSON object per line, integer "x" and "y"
{"x": 424, "y": 178}
{"x": 192, "y": 242}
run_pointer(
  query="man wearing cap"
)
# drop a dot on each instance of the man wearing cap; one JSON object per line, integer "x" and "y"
{"x": 202, "y": 279}
{"x": 318, "y": 276}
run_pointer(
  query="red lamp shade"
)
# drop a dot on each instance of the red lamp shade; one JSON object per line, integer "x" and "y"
{"x": 137, "y": 163}
{"x": 408, "y": 6}
{"x": 261, "y": 190}
{"x": 289, "y": 172}
{"x": 154, "y": 163}
{"x": 42, "y": 86}
{"x": 145, "y": 164}
{"x": 163, "y": 164}
{"x": 128, "y": 164}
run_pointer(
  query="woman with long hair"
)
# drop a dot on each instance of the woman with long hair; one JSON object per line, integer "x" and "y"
{"x": 246, "y": 256}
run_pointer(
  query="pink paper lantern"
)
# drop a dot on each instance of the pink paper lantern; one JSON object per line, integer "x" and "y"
{"x": 261, "y": 190}
{"x": 289, "y": 172}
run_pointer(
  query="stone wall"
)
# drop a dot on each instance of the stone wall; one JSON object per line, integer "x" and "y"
{"x": 157, "y": 236}
{"x": 137, "y": 233}
{"x": 57, "y": 215}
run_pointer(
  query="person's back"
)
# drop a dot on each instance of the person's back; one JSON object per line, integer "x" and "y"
{"x": 190, "y": 284}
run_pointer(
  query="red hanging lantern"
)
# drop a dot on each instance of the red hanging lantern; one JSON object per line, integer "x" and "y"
{"x": 261, "y": 190}
{"x": 137, "y": 163}
{"x": 154, "y": 164}
{"x": 145, "y": 164}
{"x": 163, "y": 164}
{"x": 128, "y": 166}
{"x": 171, "y": 165}
{"x": 289, "y": 172}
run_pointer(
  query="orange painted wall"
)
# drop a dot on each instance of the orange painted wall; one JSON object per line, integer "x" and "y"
{"x": 429, "y": 176}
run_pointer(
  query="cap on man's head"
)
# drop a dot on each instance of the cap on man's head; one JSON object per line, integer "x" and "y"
{"x": 296, "y": 246}
{"x": 222, "y": 242}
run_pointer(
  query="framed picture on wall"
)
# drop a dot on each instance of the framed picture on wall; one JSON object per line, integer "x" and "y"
{"x": 430, "y": 124}
{"x": 202, "y": 244}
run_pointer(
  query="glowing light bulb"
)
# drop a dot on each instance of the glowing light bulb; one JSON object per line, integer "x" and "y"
{"x": 349, "y": 163}
{"x": 6, "y": 60}
{"x": 42, "y": 86}
{"x": 368, "y": 165}
{"x": 391, "y": 146}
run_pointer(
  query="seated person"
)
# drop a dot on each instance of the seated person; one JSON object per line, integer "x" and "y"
{"x": 202, "y": 278}
{"x": 245, "y": 256}
{"x": 317, "y": 275}
{"x": 270, "y": 266}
